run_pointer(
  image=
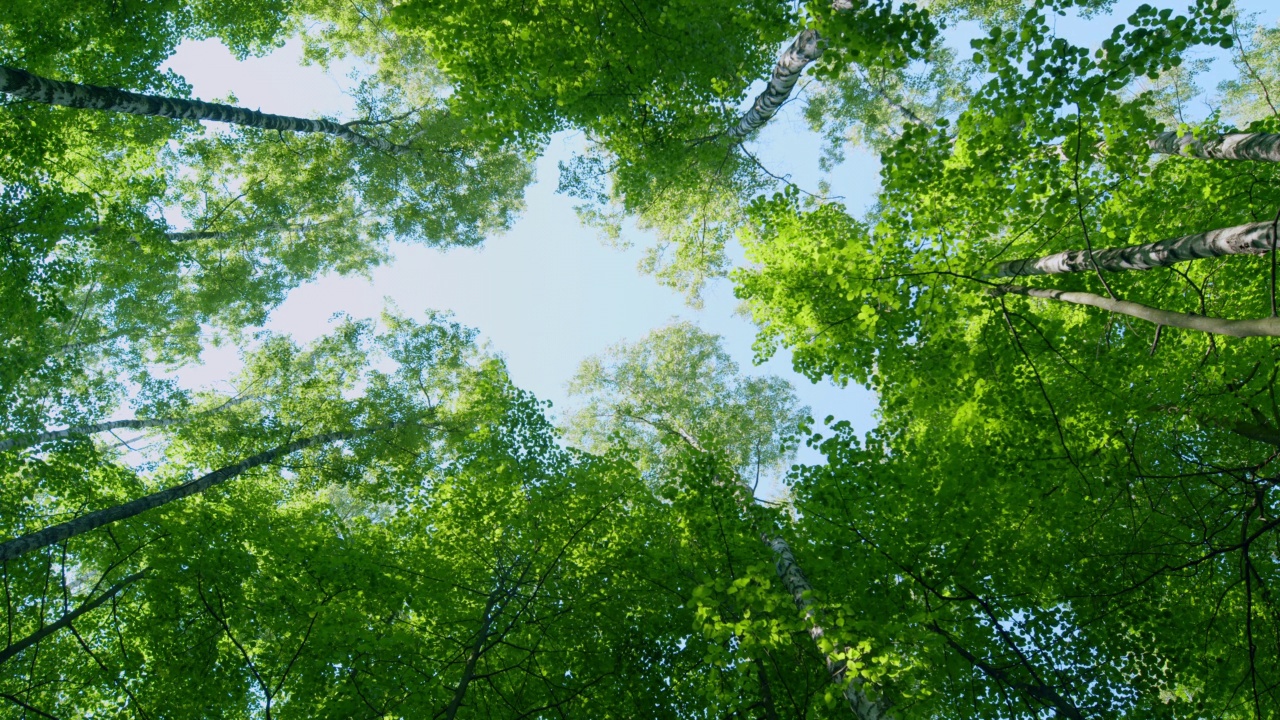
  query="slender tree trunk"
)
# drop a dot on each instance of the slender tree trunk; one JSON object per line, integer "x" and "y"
{"x": 69, "y": 618}
{"x": 189, "y": 235}
{"x": 798, "y": 586}
{"x": 805, "y": 49}
{"x": 27, "y": 86}
{"x": 1262, "y": 327}
{"x": 1042, "y": 693}
{"x": 473, "y": 657}
{"x": 767, "y": 706}
{"x": 1258, "y": 431}
{"x": 1252, "y": 239}
{"x": 51, "y": 435}
{"x": 83, "y": 344}
{"x": 83, "y": 524}
{"x": 23, "y": 441}
{"x": 1232, "y": 146}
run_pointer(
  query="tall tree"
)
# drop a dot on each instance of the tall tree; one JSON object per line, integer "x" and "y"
{"x": 677, "y": 393}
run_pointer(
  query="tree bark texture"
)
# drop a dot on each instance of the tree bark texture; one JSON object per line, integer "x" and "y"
{"x": 27, "y": 86}
{"x": 1264, "y": 147}
{"x": 23, "y": 441}
{"x": 69, "y": 618}
{"x": 798, "y": 586}
{"x": 806, "y": 48}
{"x": 1261, "y": 327}
{"x": 90, "y": 521}
{"x": 1253, "y": 239}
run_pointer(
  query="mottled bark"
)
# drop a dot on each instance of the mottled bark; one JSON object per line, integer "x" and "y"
{"x": 1232, "y": 146}
{"x": 1252, "y": 239}
{"x": 90, "y": 521}
{"x": 69, "y": 618}
{"x": 806, "y": 48}
{"x": 1262, "y": 327}
{"x": 27, "y": 86}
{"x": 23, "y": 441}
{"x": 473, "y": 657}
{"x": 795, "y": 582}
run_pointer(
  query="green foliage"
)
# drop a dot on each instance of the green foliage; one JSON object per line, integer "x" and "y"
{"x": 617, "y": 72}
{"x": 1051, "y": 494}
{"x": 116, "y": 287}
{"x": 676, "y": 390}
{"x": 1060, "y": 514}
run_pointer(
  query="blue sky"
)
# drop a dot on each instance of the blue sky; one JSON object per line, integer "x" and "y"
{"x": 547, "y": 294}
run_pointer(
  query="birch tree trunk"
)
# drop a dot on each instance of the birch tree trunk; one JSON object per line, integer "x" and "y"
{"x": 1253, "y": 239}
{"x": 69, "y": 618}
{"x": 23, "y": 441}
{"x": 1232, "y": 146}
{"x": 798, "y": 586}
{"x": 806, "y": 48}
{"x": 27, "y": 86}
{"x": 1261, "y": 327}
{"x": 90, "y": 521}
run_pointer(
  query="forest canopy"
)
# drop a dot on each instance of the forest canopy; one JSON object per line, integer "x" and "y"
{"x": 1062, "y": 293}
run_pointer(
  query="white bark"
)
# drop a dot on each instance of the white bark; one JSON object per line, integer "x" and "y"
{"x": 1252, "y": 239}
{"x": 1261, "y": 327}
{"x": 798, "y": 586}
{"x": 22, "y": 441}
{"x": 27, "y": 86}
{"x": 806, "y": 48}
{"x": 1263, "y": 147}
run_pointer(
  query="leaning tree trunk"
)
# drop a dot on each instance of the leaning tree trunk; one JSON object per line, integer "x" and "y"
{"x": 806, "y": 48}
{"x": 473, "y": 656}
{"x": 798, "y": 586}
{"x": 51, "y": 435}
{"x": 27, "y": 86}
{"x": 91, "y": 521}
{"x": 23, "y": 441}
{"x": 1232, "y": 146}
{"x": 68, "y": 618}
{"x": 1261, "y": 327}
{"x": 1253, "y": 239}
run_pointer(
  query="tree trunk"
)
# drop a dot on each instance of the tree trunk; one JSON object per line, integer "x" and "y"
{"x": 806, "y": 48}
{"x": 767, "y": 706}
{"x": 51, "y": 435}
{"x": 83, "y": 524}
{"x": 1252, "y": 239}
{"x": 798, "y": 586}
{"x": 23, "y": 441}
{"x": 1232, "y": 146}
{"x": 1258, "y": 431}
{"x": 1262, "y": 327}
{"x": 473, "y": 657}
{"x": 23, "y": 84}
{"x": 1042, "y": 693}
{"x": 69, "y": 618}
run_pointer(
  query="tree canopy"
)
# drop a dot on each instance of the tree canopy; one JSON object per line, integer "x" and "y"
{"x": 1063, "y": 295}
